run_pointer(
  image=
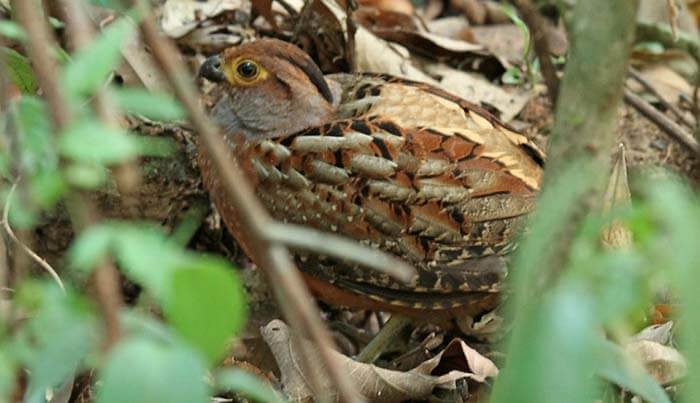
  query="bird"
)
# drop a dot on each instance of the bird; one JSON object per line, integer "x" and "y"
{"x": 398, "y": 165}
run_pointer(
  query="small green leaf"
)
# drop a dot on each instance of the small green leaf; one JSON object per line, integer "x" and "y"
{"x": 141, "y": 370}
{"x": 91, "y": 66}
{"x": 12, "y": 30}
{"x": 248, "y": 385}
{"x": 156, "y": 106}
{"x": 206, "y": 305}
{"x": 86, "y": 175}
{"x": 20, "y": 70}
{"x": 61, "y": 332}
{"x": 93, "y": 142}
{"x": 91, "y": 246}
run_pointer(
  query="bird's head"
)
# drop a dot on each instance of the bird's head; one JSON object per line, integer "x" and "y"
{"x": 270, "y": 88}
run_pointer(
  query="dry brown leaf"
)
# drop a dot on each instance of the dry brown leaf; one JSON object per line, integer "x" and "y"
{"x": 454, "y": 27}
{"x": 139, "y": 68}
{"x": 475, "y": 11}
{"x": 669, "y": 84}
{"x": 398, "y": 6}
{"x": 664, "y": 363}
{"x": 379, "y": 384}
{"x": 660, "y": 333}
{"x": 617, "y": 195}
{"x": 178, "y": 17}
{"x": 479, "y": 91}
{"x": 656, "y": 12}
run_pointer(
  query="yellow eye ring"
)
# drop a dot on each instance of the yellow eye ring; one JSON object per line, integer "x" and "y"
{"x": 247, "y": 70}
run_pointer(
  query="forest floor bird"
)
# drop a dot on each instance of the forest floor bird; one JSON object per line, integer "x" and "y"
{"x": 394, "y": 164}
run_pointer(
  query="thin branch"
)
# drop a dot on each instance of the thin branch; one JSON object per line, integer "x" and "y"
{"x": 8, "y": 229}
{"x": 105, "y": 277}
{"x": 671, "y": 107}
{"x": 662, "y": 121}
{"x": 82, "y": 213}
{"x": 298, "y": 237}
{"x": 540, "y": 40}
{"x": 294, "y": 299}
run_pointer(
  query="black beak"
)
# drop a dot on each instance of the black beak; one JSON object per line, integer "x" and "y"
{"x": 211, "y": 70}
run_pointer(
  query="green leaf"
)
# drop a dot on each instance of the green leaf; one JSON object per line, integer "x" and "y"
{"x": 93, "y": 142}
{"x": 206, "y": 305}
{"x": 86, "y": 175}
{"x": 551, "y": 355}
{"x": 20, "y": 70}
{"x": 91, "y": 246}
{"x": 12, "y": 30}
{"x": 145, "y": 253}
{"x": 91, "y": 66}
{"x": 61, "y": 332}
{"x": 141, "y": 370}
{"x": 7, "y": 373}
{"x": 616, "y": 367}
{"x": 248, "y": 385}
{"x": 156, "y": 106}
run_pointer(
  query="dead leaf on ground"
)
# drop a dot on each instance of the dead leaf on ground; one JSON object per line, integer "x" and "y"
{"x": 474, "y": 88}
{"x": 178, "y": 17}
{"x": 458, "y": 361}
{"x": 413, "y": 35}
{"x": 661, "y": 333}
{"x": 454, "y": 27}
{"x": 664, "y": 363}
{"x": 668, "y": 83}
{"x": 398, "y": 6}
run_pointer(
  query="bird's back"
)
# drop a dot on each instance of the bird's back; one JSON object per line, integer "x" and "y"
{"x": 414, "y": 171}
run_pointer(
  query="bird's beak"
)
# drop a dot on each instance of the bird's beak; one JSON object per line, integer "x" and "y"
{"x": 211, "y": 70}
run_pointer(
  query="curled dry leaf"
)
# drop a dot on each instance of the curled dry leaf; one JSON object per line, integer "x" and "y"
{"x": 138, "y": 68}
{"x": 617, "y": 195}
{"x": 664, "y": 363}
{"x": 407, "y": 31}
{"x": 657, "y": 333}
{"x": 458, "y": 361}
{"x": 178, "y": 17}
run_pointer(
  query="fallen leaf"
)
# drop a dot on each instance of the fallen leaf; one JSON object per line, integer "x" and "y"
{"x": 617, "y": 195}
{"x": 669, "y": 84}
{"x": 140, "y": 67}
{"x": 178, "y": 17}
{"x": 664, "y": 363}
{"x": 657, "y": 333}
{"x": 458, "y": 361}
{"x": 474, "y": 88}
{"x": 398, "y": 6}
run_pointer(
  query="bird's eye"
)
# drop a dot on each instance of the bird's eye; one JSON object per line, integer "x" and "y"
{"x": 247, "y": 70}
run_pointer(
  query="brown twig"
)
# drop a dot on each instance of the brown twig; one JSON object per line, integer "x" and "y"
{"x": 540, "y": 41}
{"x": 673, "y": 17}
{"x": 8, "y": 230}
{"x": 294, "y": 299}
{"x": 39, "y": 40}
{"x": 648, "y": 87}
{"x": 662, "y": 121}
